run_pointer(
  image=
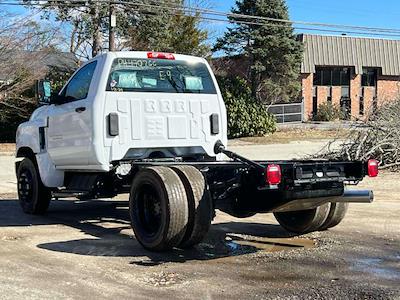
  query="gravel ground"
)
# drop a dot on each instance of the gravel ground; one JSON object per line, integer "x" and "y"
{"x": 82, "y": 250}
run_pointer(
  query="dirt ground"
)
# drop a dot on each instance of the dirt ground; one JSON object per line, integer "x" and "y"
{"x": 86, "y": 250}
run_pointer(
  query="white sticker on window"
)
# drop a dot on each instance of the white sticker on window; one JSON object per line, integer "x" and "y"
{"x": 128, "y": 80}
{"x": 193, "y": 83}
{"x": 149, "y": 81}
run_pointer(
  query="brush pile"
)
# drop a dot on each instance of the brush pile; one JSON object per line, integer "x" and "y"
{"x": 378, "y": 137}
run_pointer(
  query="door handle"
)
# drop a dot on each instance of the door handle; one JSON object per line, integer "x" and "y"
{"x": 80, "y": 109}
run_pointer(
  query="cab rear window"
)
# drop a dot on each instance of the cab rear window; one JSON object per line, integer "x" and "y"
{"x": 159, "y": 75}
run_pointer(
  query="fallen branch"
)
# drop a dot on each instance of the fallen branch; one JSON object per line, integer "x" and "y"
{"x": 377, "y": 137}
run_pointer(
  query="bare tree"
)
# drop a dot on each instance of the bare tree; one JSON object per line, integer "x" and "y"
{"x": 24, "y": 46}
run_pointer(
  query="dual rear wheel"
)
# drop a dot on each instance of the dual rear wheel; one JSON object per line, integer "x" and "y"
{"x": 320, "y": 218}
{"x": 170, "y": 207}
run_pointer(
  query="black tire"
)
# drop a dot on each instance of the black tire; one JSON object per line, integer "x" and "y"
{"x": 158, "y": 208}
{"x": 199, "y": 202}
{"x": 336, "y": 214}
{"x": 303, "y": 221}
{"x": 33, "y": 196}
{"x": 238, "y": 212}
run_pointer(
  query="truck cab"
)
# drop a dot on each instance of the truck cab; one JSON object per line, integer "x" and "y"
{"x": 128, "y": 105}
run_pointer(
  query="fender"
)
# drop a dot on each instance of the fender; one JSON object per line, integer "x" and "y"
{"x": 28, "y": 139}
{"x": 28, "y": 136}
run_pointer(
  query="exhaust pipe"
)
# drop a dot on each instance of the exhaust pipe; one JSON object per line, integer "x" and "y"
{"x": 355, "y": 196}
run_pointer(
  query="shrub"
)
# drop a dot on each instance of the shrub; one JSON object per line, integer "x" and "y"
{"x": 246, "y": 116}
{"x": 328, "y": 112}
{"x": 8, "y": 129}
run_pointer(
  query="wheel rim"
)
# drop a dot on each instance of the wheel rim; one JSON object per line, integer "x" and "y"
{"x": 25, "y": 186}
{"x": 148, "y": 209}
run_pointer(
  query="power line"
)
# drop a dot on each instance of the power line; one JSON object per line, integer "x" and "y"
{"x": 305, "y": 28}
{"x": 243, "y": 16}
{"x": 41, "y": 4}
{"x": 389, "y": 30}
{"x": 231, "y": 17}
{"x": 288, "y": 26}
{"x": 234, "y": 15}
{"x": 269, "y": 24}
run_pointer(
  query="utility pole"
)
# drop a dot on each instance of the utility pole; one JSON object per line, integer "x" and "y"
{"x": 111, "y": 26}
{"x": 96, "y": 34}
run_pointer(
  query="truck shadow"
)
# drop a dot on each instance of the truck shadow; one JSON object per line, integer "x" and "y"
{"x": 107, "y": 227}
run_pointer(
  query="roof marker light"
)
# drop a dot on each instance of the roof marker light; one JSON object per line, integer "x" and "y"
{"x": 160, "y": 55}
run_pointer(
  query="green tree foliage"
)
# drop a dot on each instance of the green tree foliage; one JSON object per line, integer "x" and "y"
{"x": 273, "y": 53}
{"x": 163, "y": 31}
{"x": 246, "y": 116}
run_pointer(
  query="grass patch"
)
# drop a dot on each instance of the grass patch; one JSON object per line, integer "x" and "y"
{"x": 289, "y": 135}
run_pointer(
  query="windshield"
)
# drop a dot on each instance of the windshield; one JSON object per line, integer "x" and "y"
{"x": 159, "y": 75}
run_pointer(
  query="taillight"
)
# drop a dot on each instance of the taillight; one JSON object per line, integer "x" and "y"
{"x": 373, "y": 168}
{"x": 160, "y": 55}
{"x": 273, "y": 174}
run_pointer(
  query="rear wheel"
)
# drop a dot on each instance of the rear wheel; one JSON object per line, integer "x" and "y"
{"x": 33, "y": 196}
{"x": 158, "y": 208}
{"x": 199, "y": 202}
{"x": 336, "y": 214}
{"x": 303, "y": 221}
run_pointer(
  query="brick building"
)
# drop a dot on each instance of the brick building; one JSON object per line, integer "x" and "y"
{"x": 356, "y": 74}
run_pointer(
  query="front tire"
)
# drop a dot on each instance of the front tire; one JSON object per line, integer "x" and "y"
{"x": 303, "y": 221}
{"x": 158, "y": 208}
{"x": 33, "y": 196}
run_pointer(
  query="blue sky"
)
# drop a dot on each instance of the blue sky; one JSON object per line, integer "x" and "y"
{"x": 372, "y": 13}
{"x": 384, "y": 13}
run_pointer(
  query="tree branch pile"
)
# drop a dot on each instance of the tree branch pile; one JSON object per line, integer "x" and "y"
{"x": 378, "y": 137}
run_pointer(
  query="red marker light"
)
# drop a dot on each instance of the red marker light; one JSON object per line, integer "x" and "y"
{"x": 273, "y": 174}
{"x": 373, "y": 168}
{"x": 160, "y": 55}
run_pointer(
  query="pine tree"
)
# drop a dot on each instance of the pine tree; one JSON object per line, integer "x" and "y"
{"x": 271, "y": 49}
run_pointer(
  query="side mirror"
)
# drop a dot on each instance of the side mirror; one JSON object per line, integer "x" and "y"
{"x": 43, "y": 92}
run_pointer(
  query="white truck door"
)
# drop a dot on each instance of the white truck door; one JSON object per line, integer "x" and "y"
{"x": 69, "y": 127}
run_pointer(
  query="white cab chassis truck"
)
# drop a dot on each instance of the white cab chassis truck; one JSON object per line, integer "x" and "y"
{"x": 155, "y": 125}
